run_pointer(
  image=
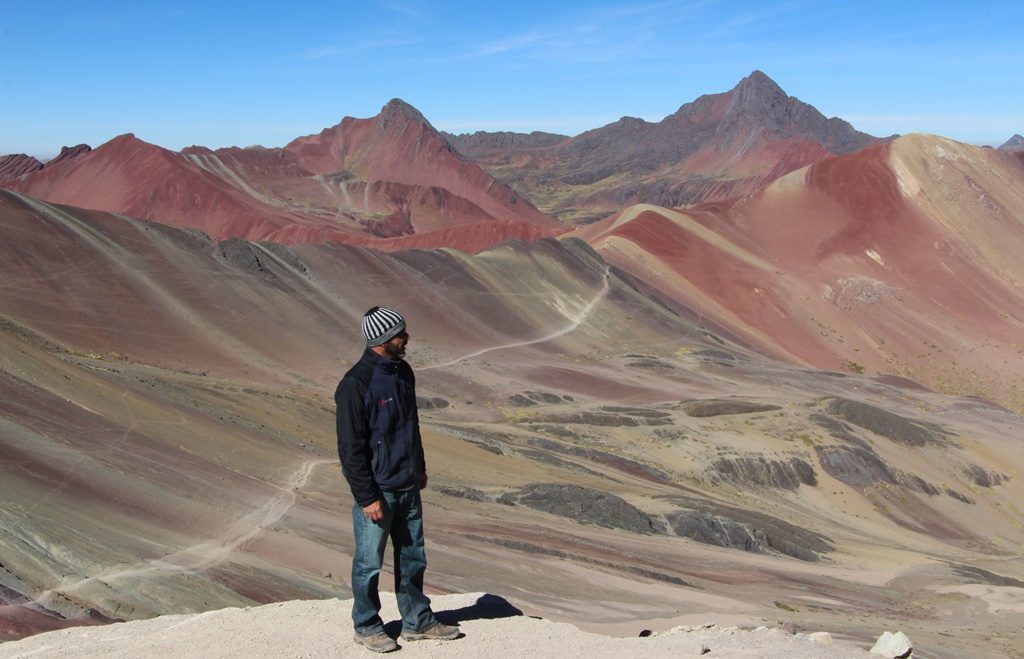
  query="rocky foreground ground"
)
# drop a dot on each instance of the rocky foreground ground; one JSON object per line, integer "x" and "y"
{"x": 492, "y": 628}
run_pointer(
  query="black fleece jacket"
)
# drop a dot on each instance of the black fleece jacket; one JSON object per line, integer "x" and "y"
{"x": 379, "y": 441}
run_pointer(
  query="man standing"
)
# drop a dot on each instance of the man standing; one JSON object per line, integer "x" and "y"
{"x": 382, "y": 458}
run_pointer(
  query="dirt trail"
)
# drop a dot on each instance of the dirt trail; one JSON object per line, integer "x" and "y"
{"x": 202, "y": 556}
{"x": 571, "y": 327}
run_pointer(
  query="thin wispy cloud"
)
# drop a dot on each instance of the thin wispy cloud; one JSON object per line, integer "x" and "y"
{"x": 404, "y": 8}
{"x": 508, "y": 44}
{"x": 364, "y": 46}
{"x": 765, "y": 21}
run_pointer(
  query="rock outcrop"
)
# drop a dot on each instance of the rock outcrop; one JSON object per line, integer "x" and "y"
{"x": 584, "y": 505}
{"x": 14, "y": 165}
{"x": 759, "y": 471}
{"x": 722, "y": 406}
{"x": 898, "y": 428}
{"x": 724, "y": 531}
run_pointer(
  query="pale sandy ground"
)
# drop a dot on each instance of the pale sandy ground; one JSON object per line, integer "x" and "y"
{"x": 323, "y": 629}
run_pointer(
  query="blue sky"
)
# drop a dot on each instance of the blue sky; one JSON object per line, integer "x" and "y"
{"x": 221, "y": 74}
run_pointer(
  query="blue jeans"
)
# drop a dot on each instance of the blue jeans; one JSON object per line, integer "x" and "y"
{"x": 403, "y": 522}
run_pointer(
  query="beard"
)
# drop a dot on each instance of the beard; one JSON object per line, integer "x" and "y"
{"x": 394, "y": 349}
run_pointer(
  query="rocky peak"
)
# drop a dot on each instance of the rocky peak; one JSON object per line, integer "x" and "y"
{"x": 757, "y": 101}
{"x": 759, "y": 104}
{"x": 68, "y": 152}
{"x": 14, "y": 165}
{"x": 758, "y": 91}
{"x": 1015, "y": 143}
{"x": 397, "y": 109}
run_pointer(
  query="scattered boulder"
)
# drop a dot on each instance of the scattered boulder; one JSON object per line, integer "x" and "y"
{"x": 887, "y": 424}
{"x": 241, "y": 254}
{"x": 431, "y": 403}
{"x": 915, "y": 482}
{"x": 670, "y": 434}
{"x": 962, "y": 498}
{"x": 723, "y": 531}
{"x": 759, "y": 471}
{"x": 519, "y": 400}
{"x": 543, "y": 397}
{"x": 838, "y": 430}
{"x": 891, "y": 644}
{"x": 983, "y": 478}
{"x": 530, "y": 398}
{"x": 854, "y": 466}
{"x": 470, "y": 493}
{"x": 719, "y": 407}
{"x": 584, "y": 505}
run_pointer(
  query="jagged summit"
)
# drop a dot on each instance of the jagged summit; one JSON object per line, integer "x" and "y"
{"x": 1015, "y": 143}
{"x": 397, "y": 106}
{"x": 14, "y": 165}
{"x": 69, "y": 152}
{"x": 758, "y": 102}
{"x": 760, "y": 84}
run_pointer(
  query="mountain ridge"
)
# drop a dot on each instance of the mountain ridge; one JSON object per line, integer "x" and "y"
{"x": 365, "y": 181}
{"x": 715, "y": 147}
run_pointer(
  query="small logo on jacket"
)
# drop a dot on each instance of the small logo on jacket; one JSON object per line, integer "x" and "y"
{"x": 385, "y": 401}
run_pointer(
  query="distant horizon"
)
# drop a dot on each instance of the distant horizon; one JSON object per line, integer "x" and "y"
{"x": 227, "y": 75}
{"x": 46, "y": 157}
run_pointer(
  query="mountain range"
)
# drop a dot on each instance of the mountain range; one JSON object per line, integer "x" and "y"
{"x": 716, "y": 147}
{"x": 745, "y": 363}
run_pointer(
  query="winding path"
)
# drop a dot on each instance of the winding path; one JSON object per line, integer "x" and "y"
{"x": 201, "y": 557}
{"x": 571, "y": 327}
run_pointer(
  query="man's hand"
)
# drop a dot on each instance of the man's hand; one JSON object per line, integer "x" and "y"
{"x": 422, "y": 480}
{"x": 375, "y": 511}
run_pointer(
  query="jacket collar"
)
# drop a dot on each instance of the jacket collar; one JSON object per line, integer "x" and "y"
{"x": 377, "y": 361}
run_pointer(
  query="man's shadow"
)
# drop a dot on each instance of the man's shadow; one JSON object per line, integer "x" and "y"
{"x": 486, "y": 607}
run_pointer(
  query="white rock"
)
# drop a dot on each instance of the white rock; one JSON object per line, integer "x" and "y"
{"x": 820, "y": 637}
{"x": 893, "y": 645}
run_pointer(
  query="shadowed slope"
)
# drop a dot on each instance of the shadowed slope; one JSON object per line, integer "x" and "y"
{"x": 899, "y": 258}
{"x": 166, "y": 442}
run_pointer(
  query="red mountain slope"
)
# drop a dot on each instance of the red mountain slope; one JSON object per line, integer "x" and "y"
{"x": 362, "y": 181}
{"x": 400, "y": 146}
{"x": 903, "y": 257}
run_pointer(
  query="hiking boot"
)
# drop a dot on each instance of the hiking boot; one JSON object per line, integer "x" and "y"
{"x": 439, "y": 632}
{"x": 379, "y": 642}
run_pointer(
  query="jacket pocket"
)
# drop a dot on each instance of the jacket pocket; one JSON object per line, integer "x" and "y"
{"x": 381, "y": 461}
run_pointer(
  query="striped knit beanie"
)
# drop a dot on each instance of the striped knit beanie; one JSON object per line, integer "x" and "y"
{"x": 381, "y": 324}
